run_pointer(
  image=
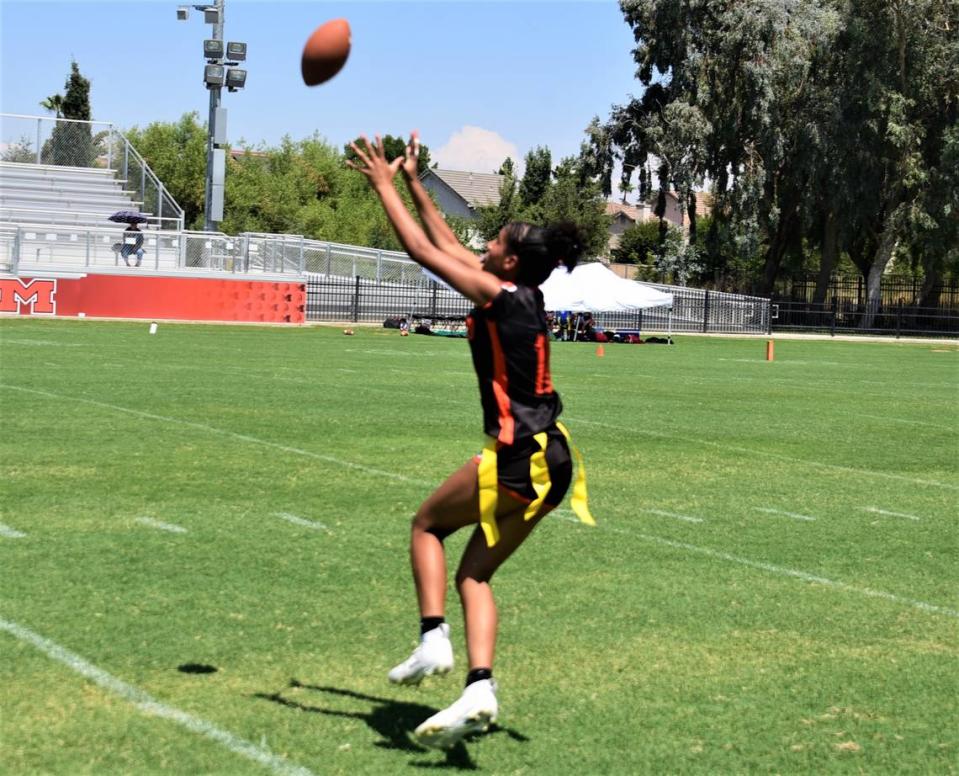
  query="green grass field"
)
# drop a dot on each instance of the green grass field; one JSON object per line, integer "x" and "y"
{"x": 772, "y": 586}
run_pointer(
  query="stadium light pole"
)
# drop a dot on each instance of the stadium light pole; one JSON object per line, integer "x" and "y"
{"x": 216, "y": 53}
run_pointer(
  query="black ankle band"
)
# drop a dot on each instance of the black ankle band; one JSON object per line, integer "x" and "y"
{"x": 429, "y": 623}
{"x": 478, "y": 674}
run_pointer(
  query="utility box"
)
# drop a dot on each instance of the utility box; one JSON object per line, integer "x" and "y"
{"x": 219, "y": 126}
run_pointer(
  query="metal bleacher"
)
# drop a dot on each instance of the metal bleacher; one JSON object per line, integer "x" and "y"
{"x": 61, "y": 180}
{"x": 49, "y": 194}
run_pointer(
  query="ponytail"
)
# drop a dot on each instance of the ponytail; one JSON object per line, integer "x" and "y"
{"x": 565, "y": 242}
{"x": 540, "y": 250}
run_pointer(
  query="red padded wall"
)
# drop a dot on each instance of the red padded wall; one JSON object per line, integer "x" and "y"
{"x": 167, "y": 298}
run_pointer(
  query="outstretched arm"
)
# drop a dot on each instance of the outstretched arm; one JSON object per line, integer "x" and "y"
{"x": 435, "y": 225}
{"x": 470, "y": 280}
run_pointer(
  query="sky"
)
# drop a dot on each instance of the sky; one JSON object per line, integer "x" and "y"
{"x": 480, "y": 80}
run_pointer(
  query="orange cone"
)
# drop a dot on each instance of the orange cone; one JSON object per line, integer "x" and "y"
{"x": 600, "y": 350}
{"x": 770, "y": 350}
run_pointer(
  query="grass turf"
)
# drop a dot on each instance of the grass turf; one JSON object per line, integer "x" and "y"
{"x": 755, "y": 640}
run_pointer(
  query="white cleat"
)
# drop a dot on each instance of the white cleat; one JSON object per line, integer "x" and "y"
{"x": 474, "y": 712}
{"x": 433, "y": 657}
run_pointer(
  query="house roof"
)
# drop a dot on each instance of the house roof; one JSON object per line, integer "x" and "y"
{"x": 632, "y": 212}
{"x": 704, "y": 201}
{"x": 478, "y": 189}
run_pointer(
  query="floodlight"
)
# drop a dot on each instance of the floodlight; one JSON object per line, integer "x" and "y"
{"x": 235, "y": 51}
{"x": 182, "y": 13}
{"x": 213, "y": 76}
{"x": 211, "y": 15}
{"x": 235, "y": 78}
{"x": 213, "y": 49}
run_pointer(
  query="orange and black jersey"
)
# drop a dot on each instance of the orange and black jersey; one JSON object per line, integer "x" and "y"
{"x": 509, "y": 340}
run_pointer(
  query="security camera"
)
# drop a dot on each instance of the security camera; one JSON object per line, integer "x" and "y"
{"x": 182, "y": 13}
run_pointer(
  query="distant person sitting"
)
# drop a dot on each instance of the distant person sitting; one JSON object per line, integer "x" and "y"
{"x": 132, "y": 243}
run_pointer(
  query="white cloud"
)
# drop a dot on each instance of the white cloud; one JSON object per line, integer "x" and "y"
{"x": 474, "y": 149}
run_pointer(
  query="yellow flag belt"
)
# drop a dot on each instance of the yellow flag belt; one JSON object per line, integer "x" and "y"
{"x": 539, "y": 475}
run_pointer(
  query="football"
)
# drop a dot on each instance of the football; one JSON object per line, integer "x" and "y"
{"x": 325, "y": 52}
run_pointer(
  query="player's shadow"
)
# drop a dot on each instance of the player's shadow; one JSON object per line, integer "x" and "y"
{"x": 391, "y": 719}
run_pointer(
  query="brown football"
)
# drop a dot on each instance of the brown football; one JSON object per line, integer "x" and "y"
{"x": 325, "y": 52}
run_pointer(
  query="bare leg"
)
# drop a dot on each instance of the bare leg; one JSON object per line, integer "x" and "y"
{"x": 452, "y": 505}
{"x": 477, "y": 567}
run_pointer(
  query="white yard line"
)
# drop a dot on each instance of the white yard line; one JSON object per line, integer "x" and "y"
{"x": 680, "y": 545}
{"x": 773, "y": 569}
{"x": 768, "y": 454}
{"x": 228, "y": 434}
{"x": 940, "y": 426}
{"x": 302, "y": 521}
{"x": 673, "y": 515}
{"x": 10, "y": 533}
{"x": 151, "y": 707}
{"x": 887, "y": 513}
{"x": 50, "y": 343}
{"x": 793, "y": 515}
{"x": 791, "y": 362}
{"x": 149, "y": 521}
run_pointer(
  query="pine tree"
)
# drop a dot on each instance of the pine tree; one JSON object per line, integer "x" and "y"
{"x": 71, "y": 143}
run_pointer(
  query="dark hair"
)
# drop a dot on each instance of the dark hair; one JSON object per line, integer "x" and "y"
{"x": 541, "y": 249}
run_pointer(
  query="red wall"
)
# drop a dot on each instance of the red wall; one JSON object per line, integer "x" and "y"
{"x": 164, "y": 298}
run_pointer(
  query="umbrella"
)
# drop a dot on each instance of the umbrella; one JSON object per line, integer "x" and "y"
{"x": 128, "y": 217}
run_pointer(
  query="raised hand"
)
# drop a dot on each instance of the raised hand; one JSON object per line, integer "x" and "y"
{"x": 411, "y": 161}
{"x": 373, "y": 162}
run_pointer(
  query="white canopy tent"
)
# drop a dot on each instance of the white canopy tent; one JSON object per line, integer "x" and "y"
{"x": 594, "y": 288}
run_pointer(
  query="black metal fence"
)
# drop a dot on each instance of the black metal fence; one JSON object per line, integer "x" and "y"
{"x": 893, "y": 290}
{"x": 337, "y": 298}
{"x": 333, "y": 298}
{"x": 838, "y": 317}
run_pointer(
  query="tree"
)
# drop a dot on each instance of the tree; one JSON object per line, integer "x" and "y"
{"x": 298, "y": 187}
{"x": 899, "y": 81}
{"x": 536, "y": 181}
{"x": 824, "y": 124}
{"x": 394, "y": 147}
{"x": 19, "y": 151}
{"x": 54, "y": 104}
{"x": 637, "y": 244}
{"x": 71, "y": 142}
{"x": 176, "y": 152}
{"x": 568, "y": 199}
{"x": 492, "y": 218}
{"x": 565, "y": 194}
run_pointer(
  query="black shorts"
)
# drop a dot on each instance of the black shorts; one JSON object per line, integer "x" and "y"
{"x": 512, "y": 467}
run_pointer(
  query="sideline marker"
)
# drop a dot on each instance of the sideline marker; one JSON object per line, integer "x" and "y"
{"x": 153, "y": 328}
{"x": 770, "y": 355}
{"x": 600, "y": 351}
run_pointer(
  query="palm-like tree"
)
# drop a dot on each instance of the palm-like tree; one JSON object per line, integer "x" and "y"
{"x": 54, "y": 104}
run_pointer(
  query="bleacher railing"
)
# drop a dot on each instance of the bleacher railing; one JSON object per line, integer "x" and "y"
{"x": 94, "y": 144}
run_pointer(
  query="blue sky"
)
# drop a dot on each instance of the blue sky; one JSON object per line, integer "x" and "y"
{"x": 480, "y": 80}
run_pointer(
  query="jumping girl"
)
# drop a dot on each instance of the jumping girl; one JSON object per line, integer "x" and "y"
{"x": 524, "y": 470}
